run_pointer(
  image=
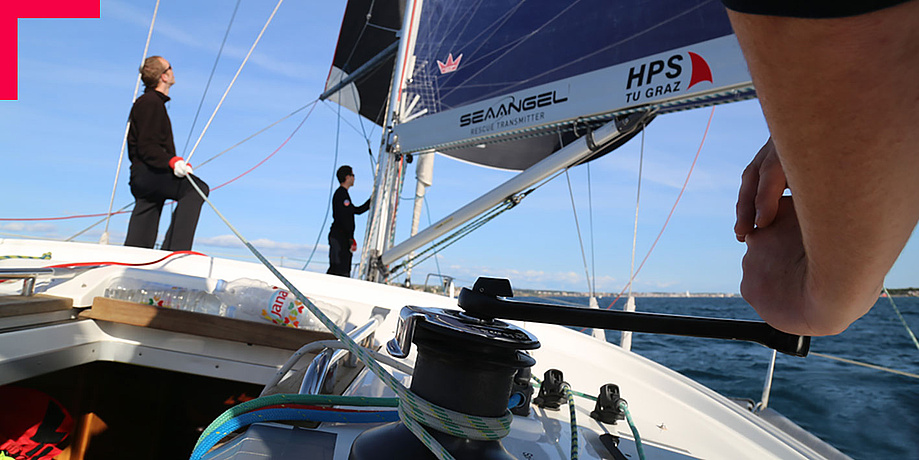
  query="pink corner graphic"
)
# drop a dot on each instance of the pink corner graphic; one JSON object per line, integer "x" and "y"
{"x": 10, "y": 13}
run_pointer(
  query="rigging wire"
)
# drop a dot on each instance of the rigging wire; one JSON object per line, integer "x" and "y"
{"x": 272, "y": 153}
{"x": 672, "y": 209}
{"x": 868, "y": 365}
{"x": 468, "y": 228}
{"x": 230, "y": 86}
{"x": 897, "y": 310}
{"x": 578, "y": 227}
{"x": 211, "y": 77}
{"x": 590, "y": 214}
{"x": 427, "y": 209}
{"x": 124, "y": 208}
{"x": 120, "y": 211}
{"x": 453, "y": 238}
{"x": 331, "y": 190}
{"x": 362, "y": 132}
{"x": 413, "y": 410}
{"x": 641, "y": 162}
{"x": 257, "y": 133}
{"x": 338, "y": 120}
{"x": 124, "y": 141}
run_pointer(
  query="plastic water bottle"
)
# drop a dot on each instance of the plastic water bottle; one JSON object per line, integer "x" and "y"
{"x": 163, "y": 295}
{"x": 244, "y": 298}
{"x": 256, "y": 300}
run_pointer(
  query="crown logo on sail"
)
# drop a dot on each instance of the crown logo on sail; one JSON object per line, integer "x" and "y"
{"x": 450, "y": 65}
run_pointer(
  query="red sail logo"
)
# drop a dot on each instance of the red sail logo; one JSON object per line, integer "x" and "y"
{"x": 662, "y": 77}
{"x": 700, "y": 70}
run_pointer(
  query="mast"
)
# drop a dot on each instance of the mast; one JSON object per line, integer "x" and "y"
{"x": 390, "y": 165}
{"x": 424, "y": 177}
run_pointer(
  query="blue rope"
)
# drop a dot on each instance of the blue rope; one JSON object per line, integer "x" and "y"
{"x": 271, "y": 415}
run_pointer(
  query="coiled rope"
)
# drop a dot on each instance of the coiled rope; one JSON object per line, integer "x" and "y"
{"x": 264, "y": 409}
{"x": 413, "y": 410}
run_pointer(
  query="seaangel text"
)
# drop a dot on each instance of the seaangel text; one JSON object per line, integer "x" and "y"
{"x": 508, "y": 108}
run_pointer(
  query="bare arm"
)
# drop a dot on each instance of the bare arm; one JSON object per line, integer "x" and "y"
{"x": 841, "y": 97}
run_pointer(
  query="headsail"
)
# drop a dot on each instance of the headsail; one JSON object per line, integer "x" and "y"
{"x": 488, "y": 72}
{"x": 368, "y": 29}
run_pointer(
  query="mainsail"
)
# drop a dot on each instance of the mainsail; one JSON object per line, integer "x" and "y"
{"x": 486, "y": 72}
{"x": 529, "y": 85}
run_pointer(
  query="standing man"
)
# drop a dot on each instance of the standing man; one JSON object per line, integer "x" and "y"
{"x": 157, "y": 174}
{"x": 341, "y": 235}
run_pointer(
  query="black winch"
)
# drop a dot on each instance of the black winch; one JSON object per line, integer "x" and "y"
{"x": 465, "y": 364}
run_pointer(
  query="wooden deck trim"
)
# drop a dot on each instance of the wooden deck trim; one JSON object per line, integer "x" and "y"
{"x": 200, "y": 324}
{"x": 18, "y": 305}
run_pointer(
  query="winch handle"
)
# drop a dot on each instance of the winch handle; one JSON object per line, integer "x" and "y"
{"x": 481, "y": 303}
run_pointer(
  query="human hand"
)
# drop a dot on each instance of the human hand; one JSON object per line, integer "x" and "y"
{"x": 762, "y": 185}
{"x": 179, "y": 167}
{"x": 775, "y": 271}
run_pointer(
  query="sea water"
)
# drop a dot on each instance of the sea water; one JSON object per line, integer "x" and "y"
{"x": 865, "y": 413}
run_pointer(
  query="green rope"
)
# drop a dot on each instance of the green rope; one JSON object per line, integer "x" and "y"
{"x": 624, "y": 407}
{"x": 45, "y": 256}
{"x": 574, "y": 421}
{"x": 413, "y": 410}
{"x": 318, "y": 400}
{"x": 897, "y": 310}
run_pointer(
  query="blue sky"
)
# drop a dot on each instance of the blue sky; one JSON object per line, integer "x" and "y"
{"x": 61, "y": 140}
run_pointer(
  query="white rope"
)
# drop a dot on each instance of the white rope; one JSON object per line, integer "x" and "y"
{"x": 238, "y": 71}
{"x": 641, "y": 161}
{"x": 869, "y": 366}
{"x": 124, "y": 139}
{"x": 902, "y": 320}
{"x": 313, "y": 347}
{"x": 413, "y": 409}
{"x": 625, "y": 339}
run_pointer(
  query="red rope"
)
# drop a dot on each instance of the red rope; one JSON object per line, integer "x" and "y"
{"x": 31, "y": 219}
{"x": 272, "y": 153}
{"x": 81, "y": 216}
{"x": 312, "y": 407}
{"x": 126, "y": 264}
{"x": 672, "y": 209}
